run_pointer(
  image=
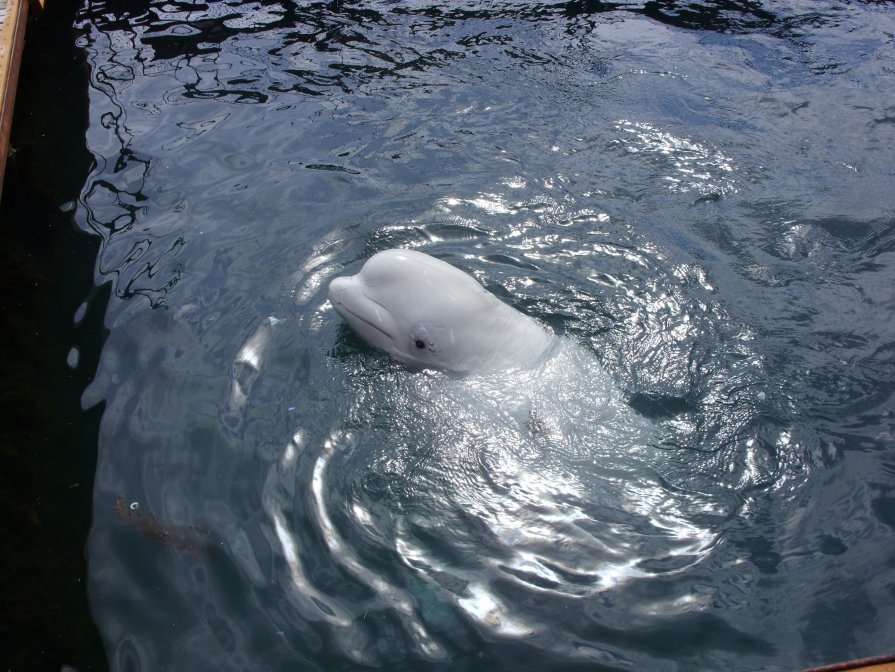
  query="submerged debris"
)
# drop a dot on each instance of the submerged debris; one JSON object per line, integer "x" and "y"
{"x": 192, "y": 539}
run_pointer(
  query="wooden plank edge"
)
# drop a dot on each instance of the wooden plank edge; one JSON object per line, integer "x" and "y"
{"x": 12, "y": 38}
{"x": 884, "y": 663}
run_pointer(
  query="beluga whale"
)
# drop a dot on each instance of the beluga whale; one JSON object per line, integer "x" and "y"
{"x": 427, "y": 313}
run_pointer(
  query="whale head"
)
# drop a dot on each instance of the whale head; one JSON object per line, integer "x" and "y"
{"x": 429, "y": 314}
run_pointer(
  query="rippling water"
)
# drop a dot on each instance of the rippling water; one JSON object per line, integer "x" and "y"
{"x": 697, "y": 197}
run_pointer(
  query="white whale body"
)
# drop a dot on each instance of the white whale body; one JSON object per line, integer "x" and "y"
{"x": 429, "y": 314}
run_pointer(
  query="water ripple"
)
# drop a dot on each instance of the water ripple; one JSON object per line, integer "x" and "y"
{"x": 691, "y": 195}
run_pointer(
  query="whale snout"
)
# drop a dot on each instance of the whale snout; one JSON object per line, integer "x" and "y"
{"x": 338, "y": 287}
{"x": 344, "y": 296}
{"x": 370, "y": 319}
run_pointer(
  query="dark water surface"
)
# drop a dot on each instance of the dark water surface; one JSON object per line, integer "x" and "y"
{"x": 47, "y": 443}
{"x": 698, "y": 197}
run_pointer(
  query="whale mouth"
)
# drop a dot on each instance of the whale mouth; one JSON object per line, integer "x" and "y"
{"x": 348, "y": 314}
{"x": 369, "y": 318}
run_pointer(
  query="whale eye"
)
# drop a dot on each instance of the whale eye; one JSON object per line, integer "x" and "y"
{"x": 420, "y": 339}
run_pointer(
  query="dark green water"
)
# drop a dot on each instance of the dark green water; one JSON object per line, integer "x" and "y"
{"x": 697, "y": 198}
